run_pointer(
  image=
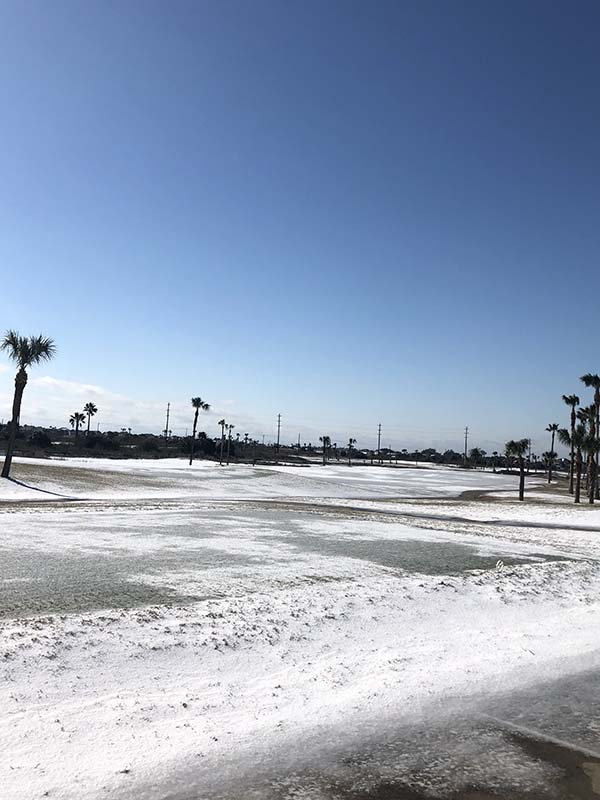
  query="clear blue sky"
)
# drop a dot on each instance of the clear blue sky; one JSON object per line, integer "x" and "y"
{"x": 348, "y": 212}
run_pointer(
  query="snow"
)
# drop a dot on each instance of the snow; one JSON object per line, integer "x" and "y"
{"x": 81, "y": 478}
{"x": 282, "y": 628}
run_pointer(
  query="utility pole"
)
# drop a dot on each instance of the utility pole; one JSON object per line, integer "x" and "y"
{"x": 379, "y": 443}
{"x": 278, "y": 432}
{"x": 167, "y": 424}
{"x": 466, "y": 444}
{"x": 298, "y": 444}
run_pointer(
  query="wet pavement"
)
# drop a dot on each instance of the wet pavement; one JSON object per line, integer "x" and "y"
{"x": 538, "y": 744}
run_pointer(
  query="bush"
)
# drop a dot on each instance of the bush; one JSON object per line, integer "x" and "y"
{"x": 150, "y": 446}
{"x": 40, "y": 439}
{"x": 94, "y": 442}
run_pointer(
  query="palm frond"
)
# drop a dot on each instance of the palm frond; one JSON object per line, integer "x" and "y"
{"x": 564, "y": 437}
{"x": 41, "y": 348}
{"x": 516, "y": 447}
{"x": 27, "y": 351}
{"x": 591, "y": 380}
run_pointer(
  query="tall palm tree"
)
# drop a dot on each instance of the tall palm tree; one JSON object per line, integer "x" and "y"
{"x": 89, "y": 410}
{"x": 518, "y": 448}
{"x": 573, "y": 401}
{"x": 229, "y": 429}
{"x": 587, "y": 416}
{"x": 593, "y": 381}
{"x": 77, "y": 419}
{"x": 575, "y": 439}
{"x": 26, "y": 352}
{"x": 551, "y": 428}
{"x": 326, "y": 440}
{"x": 591, "y": 446}
{"x": 199, "y": 405}
{"x": 351, "y": 443}
{"x": 222, "y": 423}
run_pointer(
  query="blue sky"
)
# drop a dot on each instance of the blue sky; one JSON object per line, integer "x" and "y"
{"x": 347, "y": 212}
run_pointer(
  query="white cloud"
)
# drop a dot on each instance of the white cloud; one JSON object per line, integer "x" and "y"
{"x": 51, "y": 401}
{"x": 69, "y": 387}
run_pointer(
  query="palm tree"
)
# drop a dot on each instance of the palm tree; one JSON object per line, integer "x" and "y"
{"x": 326, "y": 440}
{"x": 229, "y": 429}
{"x": 593, "y": 381}
{"x": 575, "y": 439}
{"x": 77, "y": 419}
{"x": 89, "y": 410}
{"x": 199, "y": 405}
{"x": 351, "y": 443}
{"x": 587, "y": 415}
{"x": 26, "y": 352}
{"x": 517, "y": 448}
{"x": 591, "y": 446}
{"x": 571, "y": 400}
{"x": 551, "y": 428}
{"x": 222, "y": 423}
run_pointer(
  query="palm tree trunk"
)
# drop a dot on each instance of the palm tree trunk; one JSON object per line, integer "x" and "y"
{"x": 20, "y": 383}
{"x": 521, "y": 479}
{"x": 551, "y": 458}
{"x": 228, "y": 448}
{"x": 587, "y": 473}
{"x": 592, "y": 486}
{"x": 572, "y": 464}
{"x": 597, "y": 433}
{"x": 87, "y": 433}
{"x": 578, "y": 481}
{"x": 349, "y": 456}
{"x": 194, "y": 436}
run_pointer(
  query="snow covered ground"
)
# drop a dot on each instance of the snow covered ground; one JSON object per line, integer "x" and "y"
{"x": 82, "y": 478}
{"x": 197, "y": 635}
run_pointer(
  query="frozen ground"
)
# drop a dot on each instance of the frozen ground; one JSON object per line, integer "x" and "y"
{"x": 292, "y": 633}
